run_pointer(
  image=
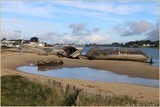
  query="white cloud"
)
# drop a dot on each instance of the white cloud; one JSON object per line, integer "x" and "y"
{"x": 96, "y": 39}
{"x": 154, "y": 33}
{"x": 86, "y": 39}
{"x": 133, "y": 28}
{"x": 57, "y": 37}
{"x": 80, "y": 29}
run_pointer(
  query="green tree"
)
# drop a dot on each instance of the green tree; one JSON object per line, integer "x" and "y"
{"x": 34, "y": 39}
{"x": 4, "y": 39}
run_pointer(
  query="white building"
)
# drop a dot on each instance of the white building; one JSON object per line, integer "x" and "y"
{"x": 37, "y": 44}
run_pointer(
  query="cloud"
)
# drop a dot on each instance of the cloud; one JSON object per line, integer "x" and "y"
{"x": 86, "y": 39}
{"x": 82, "y": 29}
{"x": 96, "y": 39}
{"x": 16, "y": 34}
{"x": 80, "y": 33}
{"x": 154, "y": 33}
{"x": 79, "y": 29}
{"x": 96, "y": 29}
{"x": 57, "y": 37}
{"x": 133, "y": 28}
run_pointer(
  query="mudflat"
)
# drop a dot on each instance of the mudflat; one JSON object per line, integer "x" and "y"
{"x": 11, "y": 60}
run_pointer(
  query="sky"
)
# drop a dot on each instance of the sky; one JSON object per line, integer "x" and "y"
{"x": 80, "y": 21}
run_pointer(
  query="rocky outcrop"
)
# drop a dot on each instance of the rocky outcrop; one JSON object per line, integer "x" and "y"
{"x": 50, "y": 63}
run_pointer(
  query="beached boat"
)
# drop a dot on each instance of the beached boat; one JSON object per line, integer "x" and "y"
{"x": 117, "y": 54}
{"x": 70, "y": 52}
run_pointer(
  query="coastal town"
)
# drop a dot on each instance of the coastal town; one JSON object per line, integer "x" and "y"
{"x": 36, "y": 43}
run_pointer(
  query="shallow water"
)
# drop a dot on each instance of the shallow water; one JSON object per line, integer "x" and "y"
{"x": 85, "y": 73}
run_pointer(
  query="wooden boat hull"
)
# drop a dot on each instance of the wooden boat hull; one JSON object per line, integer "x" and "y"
{"x": 130, "y": 57}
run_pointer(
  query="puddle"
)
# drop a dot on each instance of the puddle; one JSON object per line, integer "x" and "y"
{"x": 85, "y": 73}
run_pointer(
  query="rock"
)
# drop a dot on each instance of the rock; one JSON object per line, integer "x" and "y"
{"x": 50, "y": 63}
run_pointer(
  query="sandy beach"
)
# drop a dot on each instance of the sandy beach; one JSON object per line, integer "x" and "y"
{"x": 11, "y": 60}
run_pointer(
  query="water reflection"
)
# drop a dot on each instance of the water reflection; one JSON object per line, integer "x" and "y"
{"x": 46, "y": 68}
{"x": 85, "y": 73}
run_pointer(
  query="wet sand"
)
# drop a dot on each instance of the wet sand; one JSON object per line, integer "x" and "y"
{"x": 11, "y": 60}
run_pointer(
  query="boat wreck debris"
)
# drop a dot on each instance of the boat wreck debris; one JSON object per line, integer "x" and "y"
{"x": 117, "y": 54}
{"x": 70, "y": 52}
{"x": 50, "y": 63}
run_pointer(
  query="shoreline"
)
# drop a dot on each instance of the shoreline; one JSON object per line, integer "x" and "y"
{"x": 10, "y": 61}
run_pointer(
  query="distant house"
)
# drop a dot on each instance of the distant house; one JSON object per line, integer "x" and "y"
{"x": 7, "y": 43}
{"x": 18, "y": 42}
{"x": 42, "y": 44}
{"x": 48, "y": 45}
{"x": 11, "y": 43}
{"x": 4, "y": 41}
{"x": 37, "y": 44}
{"x": 148, "y": 45}
{"x": 145, "y": 45}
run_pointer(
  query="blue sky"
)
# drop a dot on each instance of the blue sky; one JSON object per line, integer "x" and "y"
{"x": 80, "y": 21}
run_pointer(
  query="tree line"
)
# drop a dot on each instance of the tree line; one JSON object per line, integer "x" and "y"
{"x": 140, "y": 43}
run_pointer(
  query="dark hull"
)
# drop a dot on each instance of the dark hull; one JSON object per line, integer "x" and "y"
{"x": 139, "y": 58}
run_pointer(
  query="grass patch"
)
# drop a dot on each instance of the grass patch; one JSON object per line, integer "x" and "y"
{"x": 19, "y": 91}
{"x": 97, "y": 100}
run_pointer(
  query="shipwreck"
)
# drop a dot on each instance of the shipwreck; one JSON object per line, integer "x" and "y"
{"x": 117, "y": 54}
{"x": 70, "y": 52}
